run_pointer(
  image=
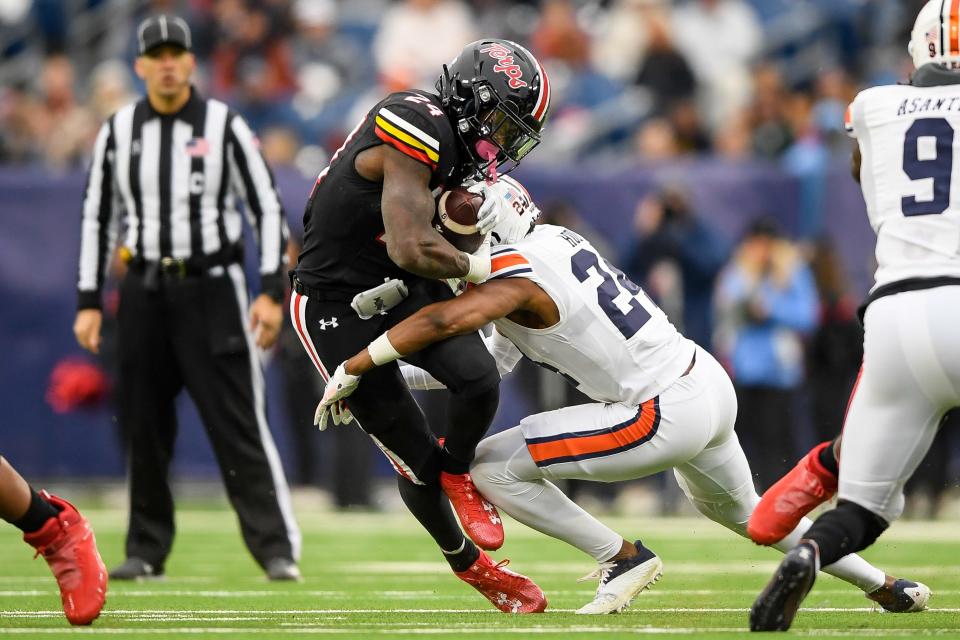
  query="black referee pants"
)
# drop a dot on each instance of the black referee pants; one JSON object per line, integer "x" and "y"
{"x": 191, "y": 333}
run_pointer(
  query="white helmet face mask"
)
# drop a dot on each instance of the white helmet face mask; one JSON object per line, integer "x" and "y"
{"x": 935, "y": 38}
{"x": 518, "y": 215}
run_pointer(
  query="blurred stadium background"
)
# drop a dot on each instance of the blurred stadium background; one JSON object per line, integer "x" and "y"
{"x": 677, "y": 128}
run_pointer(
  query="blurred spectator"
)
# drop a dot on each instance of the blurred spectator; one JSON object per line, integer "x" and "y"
{"x": 768, "y": 302}
{"x": 252, "y": 63}
{"x": 621, "y": 43}
{"x": 656, "y": 141}
{"x": 734, "y": 141}
{"x": 63, "y": 129}
{"x": 833, "y": 93}
{"x": 563, "y": 47}
{"x": 416, "y": 37}
{"x": 690, "y": 133}
{"x": 720, "y": 39}
{"x": 559, "y": 36}
{"x": 279, "y": 146}
{"x": 836, "y": 347}
{"x": 668, "y": 230}
{"x": 110, "y": 88}
{"x": 807, "y": 159}
{"x": 17, "y": 144}
{"x": 771, "y": 131}
{"x": 331, "y": 70}
{"x": 664, "y": 70}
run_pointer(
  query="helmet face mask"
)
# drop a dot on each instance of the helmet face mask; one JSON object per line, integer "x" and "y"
{"x": 497, "y": 95}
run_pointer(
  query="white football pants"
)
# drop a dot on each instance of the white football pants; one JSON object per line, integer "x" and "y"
{"x": 692, "y": 432}
{"x": 910, "y": 379}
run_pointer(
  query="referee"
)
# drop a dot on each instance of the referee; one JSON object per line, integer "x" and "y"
{"x": 169, "y": 171}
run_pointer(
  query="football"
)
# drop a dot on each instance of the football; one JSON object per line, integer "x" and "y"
{"x": 456, "y": 218}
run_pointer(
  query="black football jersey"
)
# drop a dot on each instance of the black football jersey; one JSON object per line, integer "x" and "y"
{"x": 343, "y": 245}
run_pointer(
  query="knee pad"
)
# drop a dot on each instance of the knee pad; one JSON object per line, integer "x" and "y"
{"x": 871, "y": 525}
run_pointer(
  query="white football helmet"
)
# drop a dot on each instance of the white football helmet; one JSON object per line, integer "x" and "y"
{"x": 936, "y": 35}
{"x": 518, "y": 212}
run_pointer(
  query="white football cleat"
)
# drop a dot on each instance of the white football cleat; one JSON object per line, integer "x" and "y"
{"x": 622, "y": 581}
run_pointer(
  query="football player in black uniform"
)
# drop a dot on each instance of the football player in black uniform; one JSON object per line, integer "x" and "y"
{"x": 371, "y": 258}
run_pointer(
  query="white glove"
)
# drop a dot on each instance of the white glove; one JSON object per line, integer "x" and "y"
{"x": 340, "y": 385}
{"x": 479, "y": 262}
{"x": 493, "y": 204}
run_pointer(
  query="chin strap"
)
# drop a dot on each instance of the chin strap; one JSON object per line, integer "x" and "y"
{"x": 488, "y": 151}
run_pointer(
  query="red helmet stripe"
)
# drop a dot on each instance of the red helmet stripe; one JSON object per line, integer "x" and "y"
{"x": 543, "y": 100}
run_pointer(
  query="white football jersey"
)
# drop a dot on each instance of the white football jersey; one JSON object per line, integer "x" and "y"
{"x": 612, "y": 341}
{"x": 910, "y": 176}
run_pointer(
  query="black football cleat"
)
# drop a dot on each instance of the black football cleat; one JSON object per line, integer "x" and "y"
{"x": 776, "y": 606}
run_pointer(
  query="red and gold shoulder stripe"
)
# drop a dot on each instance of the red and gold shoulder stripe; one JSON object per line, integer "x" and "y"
{"x": 407, "y": 138}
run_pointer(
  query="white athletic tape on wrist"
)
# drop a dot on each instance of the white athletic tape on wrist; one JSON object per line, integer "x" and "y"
{"x": 381, "y": 351}
{"x": 479, "y": 268}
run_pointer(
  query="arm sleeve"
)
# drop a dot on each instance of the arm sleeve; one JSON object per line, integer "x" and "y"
{"x": 411, "y": 127}
{"x": 418, "y": 379}
{"x": 253, "y": 182}
{"x": 505, "y": 353}
{"x": 99, "y": 221}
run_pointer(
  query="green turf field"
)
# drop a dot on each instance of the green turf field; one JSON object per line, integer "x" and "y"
{"x": 372, "y": 576}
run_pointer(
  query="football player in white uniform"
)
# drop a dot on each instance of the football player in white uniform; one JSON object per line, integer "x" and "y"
{"x": 905, "y": 163}
{"x": 660, "y": 400}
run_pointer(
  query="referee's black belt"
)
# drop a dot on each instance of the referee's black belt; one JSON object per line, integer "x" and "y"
{"x": 323, "y": 295}
{"x": 179, "y": 268}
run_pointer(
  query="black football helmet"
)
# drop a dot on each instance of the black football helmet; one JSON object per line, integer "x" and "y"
{"x": 498, "y": 96}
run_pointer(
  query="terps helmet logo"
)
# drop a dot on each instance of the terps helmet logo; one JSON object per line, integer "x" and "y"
{"x": 505, "y": 64}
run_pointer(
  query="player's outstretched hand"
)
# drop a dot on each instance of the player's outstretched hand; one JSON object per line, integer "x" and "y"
{"x": 340, "y": 385}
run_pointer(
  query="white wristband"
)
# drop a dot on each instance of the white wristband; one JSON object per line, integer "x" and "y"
{"x": 381, "y": 351}
{"x": 479, "y": 268}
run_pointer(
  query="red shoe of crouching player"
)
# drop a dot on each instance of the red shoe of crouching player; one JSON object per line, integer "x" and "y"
{"x": 480, "y": 519}
{"x": 806, "y": 486}
{"x": 506, "y": 590}
{"x": 66, "y": 542}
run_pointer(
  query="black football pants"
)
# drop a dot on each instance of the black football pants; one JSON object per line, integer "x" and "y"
{"x": 190, "y": 333}
{"x": 383, "y": 406}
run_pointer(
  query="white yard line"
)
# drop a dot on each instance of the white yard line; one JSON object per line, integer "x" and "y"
{"x": 537, "y": 630}
{"x": 213, "y": 615}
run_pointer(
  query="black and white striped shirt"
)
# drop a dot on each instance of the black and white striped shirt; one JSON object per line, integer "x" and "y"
{"x": 172, "y": 184}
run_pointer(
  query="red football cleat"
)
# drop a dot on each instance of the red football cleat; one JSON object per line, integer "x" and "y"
{"x": 793, "y": 496}
{"x": 67, "y": 544}
{"x": 508, "y": 591}
{"x": 479, "y": 518}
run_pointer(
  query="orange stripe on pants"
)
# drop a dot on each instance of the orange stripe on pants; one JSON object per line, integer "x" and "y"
{"x": 578, "y": 446}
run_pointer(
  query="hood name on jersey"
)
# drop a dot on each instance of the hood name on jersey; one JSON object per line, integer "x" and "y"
{"x": 571, "y": 237}
{"x": 925, "y": 105}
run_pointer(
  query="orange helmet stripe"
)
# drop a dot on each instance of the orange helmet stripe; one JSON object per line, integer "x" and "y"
{"x": 955, "y": 27}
